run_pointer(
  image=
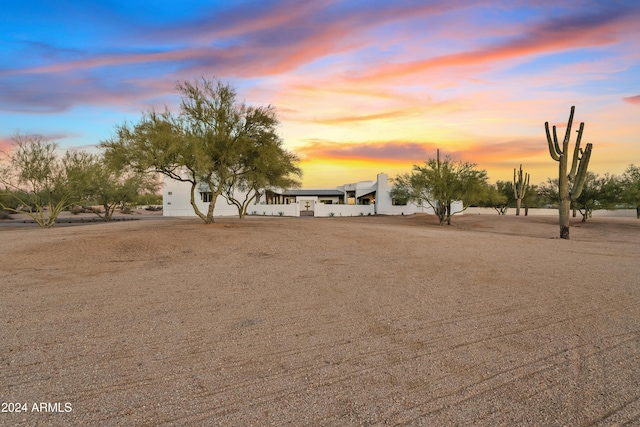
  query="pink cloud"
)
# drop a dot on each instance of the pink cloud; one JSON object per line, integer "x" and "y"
{"x": 5, "y": 144}
{"x": 632, "y": 99}
{"x": 559, "y": 35}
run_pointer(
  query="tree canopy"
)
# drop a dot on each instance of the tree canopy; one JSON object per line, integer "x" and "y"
{"x": 440, "y": 183}
{"x": 35, "y": 180}
{"x": 109, "y": 185}
{"x": 215, "y": 143}
{"x": 631, "y": 187}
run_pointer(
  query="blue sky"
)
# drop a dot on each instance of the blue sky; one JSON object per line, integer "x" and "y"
{"x": 361, "y": 87}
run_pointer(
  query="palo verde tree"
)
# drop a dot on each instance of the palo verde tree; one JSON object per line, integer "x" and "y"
{"x": 266, "y": 165}
{"x": 597, "y": 193}
{"x": 109, "y": 185}
{"x": 35, "y": 179}
{"x": 631, "y": 187}
{"x": 570, "y": 181}
{"x": 207, "y": 145}
{"x": 440, "y": 183}
{"x": 520, "y": 187}
{"x": 494, "y": 198}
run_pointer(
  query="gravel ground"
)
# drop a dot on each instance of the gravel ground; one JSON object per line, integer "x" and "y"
{"x": 321, "y": 321}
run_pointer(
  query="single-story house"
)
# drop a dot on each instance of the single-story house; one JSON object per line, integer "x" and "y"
{"x": 355, "y": 199}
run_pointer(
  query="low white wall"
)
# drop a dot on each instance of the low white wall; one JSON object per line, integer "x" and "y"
{"x": 343, "y": 210}
{"x": 621, "y": 213}
{"x": 292, "y": 209}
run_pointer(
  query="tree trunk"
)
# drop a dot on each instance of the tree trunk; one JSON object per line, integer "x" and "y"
{"x": 564, "y": 208}
{"x": 638, "y": 212}
{"x": 526, "y": 210}
{"x": 518, "y": 204}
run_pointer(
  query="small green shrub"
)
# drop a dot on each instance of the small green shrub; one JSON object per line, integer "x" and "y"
{"x": 281, "y": 213}
{"x": 332, "y": 214}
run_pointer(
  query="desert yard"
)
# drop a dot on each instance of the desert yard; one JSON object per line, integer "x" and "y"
{"x": 492, "y": 321}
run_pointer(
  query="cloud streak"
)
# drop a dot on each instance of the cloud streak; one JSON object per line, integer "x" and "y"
{"x": 376, "y": 82}
{"x": 635, "y": 100}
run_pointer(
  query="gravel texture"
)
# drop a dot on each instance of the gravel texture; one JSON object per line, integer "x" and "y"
{"x": 321, "y": 321}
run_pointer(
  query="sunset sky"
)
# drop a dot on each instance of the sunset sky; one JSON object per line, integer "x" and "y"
{"x": 360, "y": 87}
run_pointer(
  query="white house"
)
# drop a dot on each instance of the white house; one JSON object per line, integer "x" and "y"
{"x": 356, "y": 199}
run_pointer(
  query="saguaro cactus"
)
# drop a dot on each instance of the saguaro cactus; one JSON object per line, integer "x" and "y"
{"x": 570, "y": 181}
{"x": 520, "y": 187}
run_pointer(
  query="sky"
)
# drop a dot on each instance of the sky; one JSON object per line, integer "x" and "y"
{"x": 360, "y": 87}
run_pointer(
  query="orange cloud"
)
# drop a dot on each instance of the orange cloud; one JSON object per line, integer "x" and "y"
{"x": 371, "y": 151}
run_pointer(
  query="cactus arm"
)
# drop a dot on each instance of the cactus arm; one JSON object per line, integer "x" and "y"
{"x": 555, "y": 141}
{"x": 574, "y": 163}
{"x": 582, "y": 173}
{"x": 567, "y": 134}
{"x": 552, "y": 150}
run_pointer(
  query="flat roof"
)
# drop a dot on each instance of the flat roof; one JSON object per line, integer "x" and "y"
{"x": 313, "y": 192}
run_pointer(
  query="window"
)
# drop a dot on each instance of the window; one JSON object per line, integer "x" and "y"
{"x": 206, "y": 196}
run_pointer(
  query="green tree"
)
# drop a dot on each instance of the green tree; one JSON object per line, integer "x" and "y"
{"x": 494, "y": 198}
{"x": 109, "y": 185}
{"x": 597, "y": 193}
{"x": 440, "y": 183}
{"x": 35, "y": 179}
{"x": 207, "y": 145}
{"x": 267, "y": 166}
{"x": 547, "y": 194}
{"x": 630, "y": 193}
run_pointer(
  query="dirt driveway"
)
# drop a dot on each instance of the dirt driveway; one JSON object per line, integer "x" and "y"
{"x": 321, "y": 321}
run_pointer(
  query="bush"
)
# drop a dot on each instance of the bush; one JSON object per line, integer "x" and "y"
{"x": 78, "y": 210}
{"x": 5, "y": 215}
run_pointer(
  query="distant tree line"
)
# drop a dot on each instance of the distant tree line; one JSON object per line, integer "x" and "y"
{"x": 439, "y": 182}
{"x": 599, "y": 192}
{"x": 215, "y": 141}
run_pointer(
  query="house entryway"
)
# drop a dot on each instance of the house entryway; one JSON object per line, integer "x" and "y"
{"x": 307, "y": 207}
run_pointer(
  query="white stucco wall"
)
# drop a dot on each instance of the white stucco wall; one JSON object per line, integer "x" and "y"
{"x": 176, "y": 201}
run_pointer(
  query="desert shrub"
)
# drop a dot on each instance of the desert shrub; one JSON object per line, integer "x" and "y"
{"x": 332, "y": 214}
{"x": 281, "y": 213}
{"x": 4, "y": 215}
{"x": 77, "y": 210}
